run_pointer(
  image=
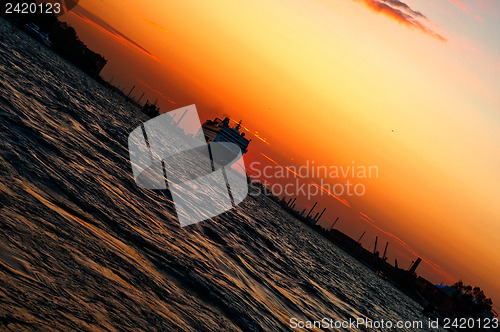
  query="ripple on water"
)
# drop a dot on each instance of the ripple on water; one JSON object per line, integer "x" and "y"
{"x": 82, "y": 247}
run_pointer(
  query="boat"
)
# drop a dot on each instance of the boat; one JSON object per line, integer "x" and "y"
{"x": 34, "y": 31}
{"x": 219, "y": 131}
{"x": 151, "y": 110}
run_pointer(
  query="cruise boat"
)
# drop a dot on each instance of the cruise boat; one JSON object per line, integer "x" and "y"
{"x": 219, "y": 131}
{"x": 151, "y": 110}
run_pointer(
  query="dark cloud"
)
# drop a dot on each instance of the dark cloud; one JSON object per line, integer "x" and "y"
{"x": 86, "y": 15}
{"x": 404, "y": 7}
{"x": 402, "y": 13}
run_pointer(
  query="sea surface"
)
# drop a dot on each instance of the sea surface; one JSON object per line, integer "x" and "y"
{"x": 83, "y": 248}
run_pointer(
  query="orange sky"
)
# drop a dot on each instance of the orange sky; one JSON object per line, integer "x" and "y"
{"x": 413, "y": 88}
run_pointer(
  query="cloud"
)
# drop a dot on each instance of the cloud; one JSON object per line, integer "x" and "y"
{"x": 156, "y": 25}
{"x": 101, "y": 24}
{"x": 326, "y": 191}
{"x": 404, "y": 7}
{"x": 154, "y": 90}
{"x": 489, "y": 7}
{"x": 403, "y": 14}
{"x": 465, "y": 9}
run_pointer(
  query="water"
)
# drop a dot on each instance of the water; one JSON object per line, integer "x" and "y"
{"x": 83, "y": 248}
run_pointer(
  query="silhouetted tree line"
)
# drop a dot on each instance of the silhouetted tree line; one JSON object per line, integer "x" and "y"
{"x": 65, "y": 41}
{"x": 471, "y": 301}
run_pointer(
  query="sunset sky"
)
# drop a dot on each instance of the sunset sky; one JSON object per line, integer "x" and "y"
{"x": 412, "y": 87}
